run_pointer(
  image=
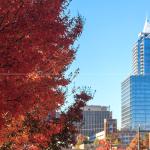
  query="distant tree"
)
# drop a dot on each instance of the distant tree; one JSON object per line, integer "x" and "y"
{"x": 113, "y": 139}
{"x": 134, "y": 143}
{"x": 36, "y": 49}
{"x": 96, "y": 142}
{"x": 81, "y": 139}
{"x": 104, "y": 144}
{"x": 145, "y": 141}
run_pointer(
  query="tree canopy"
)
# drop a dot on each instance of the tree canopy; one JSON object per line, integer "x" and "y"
{"x": 36, "y": 49}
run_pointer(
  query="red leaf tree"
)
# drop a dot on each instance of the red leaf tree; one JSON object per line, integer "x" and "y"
{"x": 36, "y": 48}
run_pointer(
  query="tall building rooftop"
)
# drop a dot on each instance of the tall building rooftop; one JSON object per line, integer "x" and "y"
{"x": 146, "y": 28}
{"x": 96, "y": 108}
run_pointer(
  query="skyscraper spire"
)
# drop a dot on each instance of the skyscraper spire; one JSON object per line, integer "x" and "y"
{"x": 146, "y": 26}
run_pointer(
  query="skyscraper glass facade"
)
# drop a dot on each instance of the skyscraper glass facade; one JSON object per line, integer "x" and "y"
{"x": 126, "y": 103}
{"x": 141, "y": 55}
{"x": 135, "y": 96}
{"x": 136, "y": 102}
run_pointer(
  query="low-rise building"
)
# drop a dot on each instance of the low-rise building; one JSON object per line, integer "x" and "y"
{"x": 110, "y": 126}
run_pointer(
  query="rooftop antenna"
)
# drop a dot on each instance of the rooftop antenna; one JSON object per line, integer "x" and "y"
{"x": 146, "y": 28}
{"x": 147, "y": 17}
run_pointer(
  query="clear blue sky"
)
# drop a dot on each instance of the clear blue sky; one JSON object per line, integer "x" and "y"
{"x": 105, "y": 53}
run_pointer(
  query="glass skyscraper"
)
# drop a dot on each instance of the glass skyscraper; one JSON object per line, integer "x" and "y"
{"x": 135, "y": 95}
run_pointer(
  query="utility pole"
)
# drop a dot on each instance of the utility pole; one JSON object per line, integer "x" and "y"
{"x": 139, "y": 137}
{"x": 149, "y": 139}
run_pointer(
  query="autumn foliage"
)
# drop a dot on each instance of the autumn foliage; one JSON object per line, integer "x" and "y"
{"x": 36, "y": 49}
{"x": 104, "y": 144}
{"x": 143, "y": 142}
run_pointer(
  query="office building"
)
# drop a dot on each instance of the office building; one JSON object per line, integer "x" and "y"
{"x": 135, "y": 96}
{"x": 93, "y": 119}
{"x": 110, "y": 126}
